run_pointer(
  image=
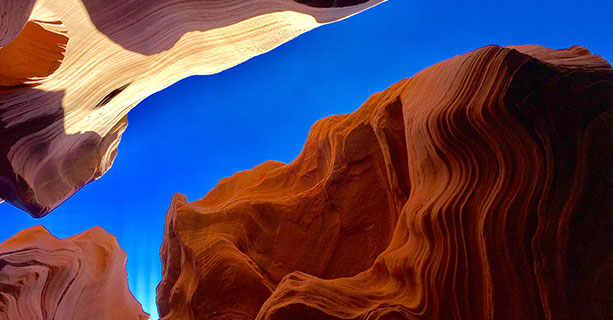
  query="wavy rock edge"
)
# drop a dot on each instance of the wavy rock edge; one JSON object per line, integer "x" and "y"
{"x": 80, "y": 277}
{"x": 492, "y": 198}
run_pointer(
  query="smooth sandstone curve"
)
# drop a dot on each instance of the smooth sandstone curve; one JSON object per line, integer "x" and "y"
{"x": 70, "y": 70}
{"x": 81, "y": 277}
{"x": 480, "y": 188}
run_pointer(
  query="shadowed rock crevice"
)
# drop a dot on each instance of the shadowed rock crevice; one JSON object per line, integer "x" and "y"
{"x": 34, "y": 54}
{"x": 111, "y": 95}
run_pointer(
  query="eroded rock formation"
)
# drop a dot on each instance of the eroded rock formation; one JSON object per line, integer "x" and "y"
{"x": 480, "y": 188}
{"x": 81, "y": 277}
{"x": 70, "y": 70}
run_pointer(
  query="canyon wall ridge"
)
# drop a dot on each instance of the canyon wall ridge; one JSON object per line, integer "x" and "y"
{"x": 480, "y": 188}
{"x": 80, "y": 277}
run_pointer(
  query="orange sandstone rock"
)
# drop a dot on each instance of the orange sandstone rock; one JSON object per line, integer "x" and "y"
{"x": 70, "y": 70}
{"x": 480, "y": 188}
{"x": 81, "y": 277}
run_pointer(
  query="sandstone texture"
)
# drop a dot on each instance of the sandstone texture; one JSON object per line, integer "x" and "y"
{"x": 480, "y": 188}
{"x": 70, "y": 70}
{"x": 81, "y": 277}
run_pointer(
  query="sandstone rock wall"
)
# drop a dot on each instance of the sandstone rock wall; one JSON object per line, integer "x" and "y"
{"x": 480, "y": 188}
{"x": 81, "y": 277}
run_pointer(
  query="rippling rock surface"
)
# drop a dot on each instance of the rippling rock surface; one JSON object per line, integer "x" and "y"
{"x": 81, "y": 277}
{"x": 71, "y": 70}
{"x": 480, "y": 188}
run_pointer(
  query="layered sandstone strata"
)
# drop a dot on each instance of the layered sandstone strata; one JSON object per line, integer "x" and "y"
{"x": 81, "y": 277}
{"x": 480, "y": 188}
{"x": 70, "y": 70}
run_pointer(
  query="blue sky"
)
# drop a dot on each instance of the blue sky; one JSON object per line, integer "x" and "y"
{"x": 190, "y": 135}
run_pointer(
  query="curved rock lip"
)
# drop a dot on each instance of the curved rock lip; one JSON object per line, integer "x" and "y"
{"x": 71, "y": 70}
{"x": 480, "y": 188}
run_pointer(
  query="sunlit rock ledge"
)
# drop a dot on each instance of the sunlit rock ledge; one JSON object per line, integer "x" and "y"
{"x": 70, "y": 70}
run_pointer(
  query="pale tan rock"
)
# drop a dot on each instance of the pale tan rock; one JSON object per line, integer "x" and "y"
{"x": 76, "y": 68}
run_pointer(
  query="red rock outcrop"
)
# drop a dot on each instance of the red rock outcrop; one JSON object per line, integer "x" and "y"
{"x": 81, "y": 277}
{"x": 480, "y": 188}
{"x": 71, "y": 70}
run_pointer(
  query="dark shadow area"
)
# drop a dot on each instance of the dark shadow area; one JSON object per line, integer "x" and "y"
{"x": 111, "y": 95}
{"x": 331, "y": 3}
{"x": 13, "y": 17}
{"x": 570, "y": 114}
{"x": 57, "y": 174}
{"x": 159, "y": 26}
